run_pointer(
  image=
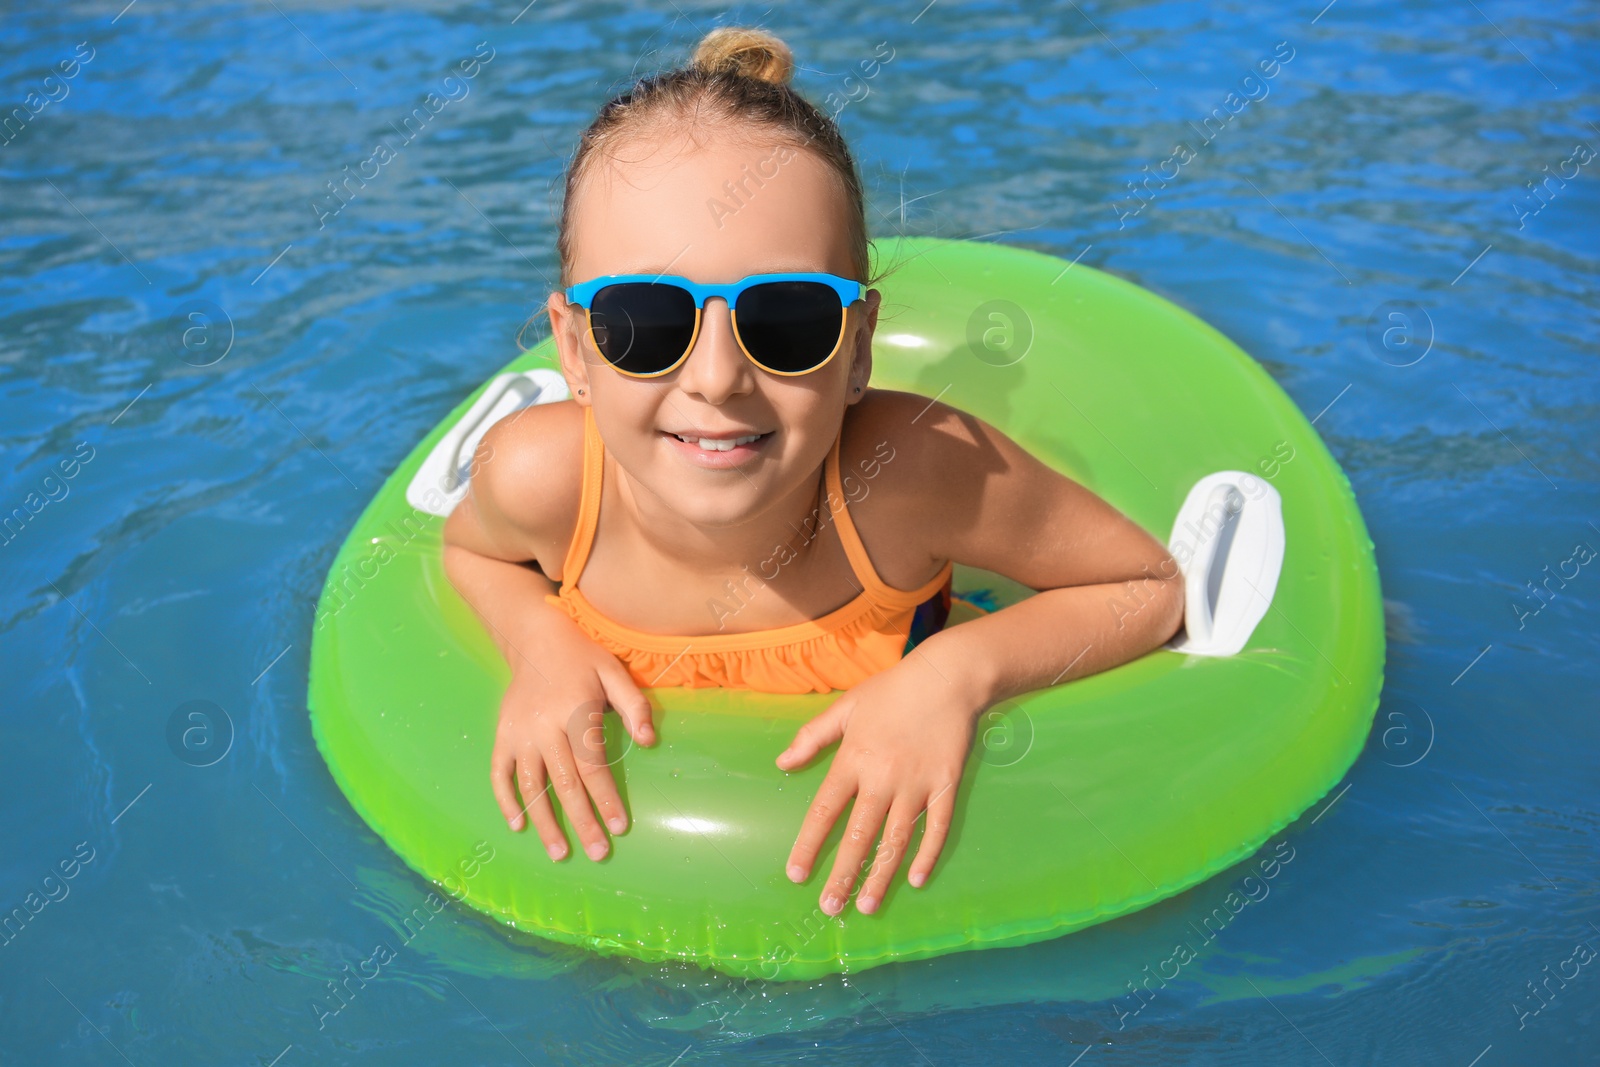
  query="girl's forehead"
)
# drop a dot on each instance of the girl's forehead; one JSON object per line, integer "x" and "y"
{"x": 712, "y": 212}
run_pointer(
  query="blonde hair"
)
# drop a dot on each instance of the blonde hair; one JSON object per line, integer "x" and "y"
{"x": 738, "y": 79}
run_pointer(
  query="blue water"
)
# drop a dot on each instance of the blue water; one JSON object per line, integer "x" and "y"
{"x": 213, "y": 475}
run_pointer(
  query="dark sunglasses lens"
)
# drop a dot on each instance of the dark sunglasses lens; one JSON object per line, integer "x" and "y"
{"x": 789, "y": 326}
{"x": 642, "y": 327}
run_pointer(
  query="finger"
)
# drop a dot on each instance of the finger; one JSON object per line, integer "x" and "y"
{"x": 890, "y": 853}
{"x": 855, "y": 849}
{"x": 502, "y": 769}
{"x": 586, "y": 733}
{"x": 831, "y": 798}
{"x": 631, "y": 704}
{"x": 536, "y": 802}
{"x": 814, "y": 736}
{"x": 568, "y": 784}
{"x": 603, "y": 788}
{"x": 941, "y": 810}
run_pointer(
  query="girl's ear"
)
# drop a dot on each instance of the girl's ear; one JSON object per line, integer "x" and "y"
{"x": 861, "y": 363}
{"x": 568, "y": 324}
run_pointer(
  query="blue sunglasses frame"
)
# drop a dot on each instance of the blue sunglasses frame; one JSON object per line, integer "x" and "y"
{"x": 848, "y": 289}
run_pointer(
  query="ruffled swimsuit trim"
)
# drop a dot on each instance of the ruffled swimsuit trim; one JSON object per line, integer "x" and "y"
{"x": 878, "y": 617}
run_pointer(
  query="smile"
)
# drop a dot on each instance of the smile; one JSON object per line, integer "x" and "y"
{"x": 720, "y": 452}
{"x": 713, "y": 444}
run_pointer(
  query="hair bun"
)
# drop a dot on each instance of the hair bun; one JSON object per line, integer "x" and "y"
{"x": 747, "y": 52}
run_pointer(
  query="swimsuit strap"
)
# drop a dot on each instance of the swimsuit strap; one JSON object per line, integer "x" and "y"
{"x": 860, "y": 562}
{"x": 594, "y": 457}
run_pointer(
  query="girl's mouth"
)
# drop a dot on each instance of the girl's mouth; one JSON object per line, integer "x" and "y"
{"x": 717, "y": 453}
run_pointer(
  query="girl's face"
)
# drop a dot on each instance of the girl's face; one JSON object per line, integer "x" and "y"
{"x": 703, "y": 212}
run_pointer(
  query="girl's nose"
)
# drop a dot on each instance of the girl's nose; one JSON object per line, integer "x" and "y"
{"x": 716, "y": 369}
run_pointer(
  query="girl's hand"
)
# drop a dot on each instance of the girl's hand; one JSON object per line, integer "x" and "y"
{"x": 551, "y": 734}
{"x": 905, "y": 737}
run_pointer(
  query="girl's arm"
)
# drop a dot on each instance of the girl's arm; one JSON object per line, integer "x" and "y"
{"x": 561, "y": 682}
{"x": 1108, "y": 592}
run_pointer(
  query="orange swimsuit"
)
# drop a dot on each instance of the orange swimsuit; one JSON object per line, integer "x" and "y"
{"x": 837, "y": 651}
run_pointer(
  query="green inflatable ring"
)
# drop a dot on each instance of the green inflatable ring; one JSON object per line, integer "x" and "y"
{"x": 1080, "y": 803}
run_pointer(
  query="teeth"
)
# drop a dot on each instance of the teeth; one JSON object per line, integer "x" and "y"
{"x": 711, "y": 445}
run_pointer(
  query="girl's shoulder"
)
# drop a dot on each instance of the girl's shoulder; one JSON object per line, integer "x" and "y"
{"x": 911, "y": 469}
{"x": 527, "y": 481}
{"x": 931, "y": 444}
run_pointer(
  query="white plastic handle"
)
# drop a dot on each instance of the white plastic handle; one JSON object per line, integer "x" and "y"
{"x": 1203, "y": 577}
{"x": 1228, "y": 539}
{"x": 441, "y": 481}
{"x": 450, "y": 446}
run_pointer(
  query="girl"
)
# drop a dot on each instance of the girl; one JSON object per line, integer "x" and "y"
{"x": 743, "y": 510}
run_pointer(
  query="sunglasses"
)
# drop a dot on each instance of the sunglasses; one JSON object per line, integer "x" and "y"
{"x": 645, "y": 325}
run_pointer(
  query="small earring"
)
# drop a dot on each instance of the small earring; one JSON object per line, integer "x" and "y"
{"x": 858, "y": 388}
{"x": 580, "y": 392}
